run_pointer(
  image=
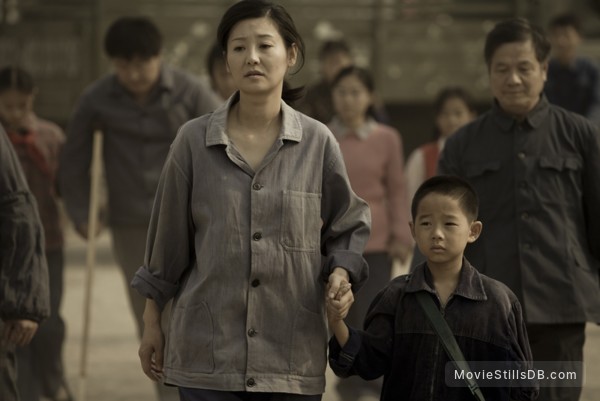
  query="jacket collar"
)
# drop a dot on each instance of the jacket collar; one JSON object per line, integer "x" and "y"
{"x": 216, "y": 131}
{"x": 469, "y": 285}
{"x": 533, "y": 119}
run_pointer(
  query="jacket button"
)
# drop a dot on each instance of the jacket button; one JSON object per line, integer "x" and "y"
{"x": 256, "y": 186}
{"x": 251, "y": 382}
{"x": 256, "y": 236}
{"x": 255, "y": 282}
{"x": 251, "y": 332}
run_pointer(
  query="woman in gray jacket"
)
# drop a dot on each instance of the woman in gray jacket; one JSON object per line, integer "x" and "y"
{"x": 253, "y": 219}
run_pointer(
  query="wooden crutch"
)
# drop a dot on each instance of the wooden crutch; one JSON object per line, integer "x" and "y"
{"x": 90, "y": 257}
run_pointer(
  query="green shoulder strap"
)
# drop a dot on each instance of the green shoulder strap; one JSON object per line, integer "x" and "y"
{"x": 445, "y": 334}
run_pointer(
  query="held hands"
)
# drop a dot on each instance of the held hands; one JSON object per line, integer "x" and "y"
{"x": 18, "y": 331}
{"x": 339, "y": 296}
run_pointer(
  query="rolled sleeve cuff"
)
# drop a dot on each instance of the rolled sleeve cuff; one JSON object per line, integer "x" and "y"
{"x": 152, "y": 287}
{"x": 341, "y": 359}
{"x": 354, "y": 263}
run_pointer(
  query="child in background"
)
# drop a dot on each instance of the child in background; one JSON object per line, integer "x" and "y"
{"x": 398, "y": 340}
{"x": 37, "y": 143}
{"x": 221, "y": 80}
{"x": 453, "y": 109}
{"x": 374, "y": 160}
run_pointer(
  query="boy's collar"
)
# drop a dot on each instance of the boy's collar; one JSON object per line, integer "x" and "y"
{"x": 469, "y": 284}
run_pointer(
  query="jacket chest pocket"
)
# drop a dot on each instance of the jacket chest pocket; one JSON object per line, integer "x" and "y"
{"x": 559, "y": 179}
{"x": 301, "y": 221}
{"x": 481, "y": 175}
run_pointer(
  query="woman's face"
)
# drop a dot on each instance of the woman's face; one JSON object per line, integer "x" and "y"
{"x": 257, "y": 56}
{"x": 454, "y": 114}
{"x": 351, "y": 99}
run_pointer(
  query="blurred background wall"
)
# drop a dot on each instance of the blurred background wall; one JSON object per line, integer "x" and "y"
{"x": 413, "y": 47}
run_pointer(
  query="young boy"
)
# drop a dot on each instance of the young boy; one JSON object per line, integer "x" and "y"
{"x": 398, "y": 340}
{"x": 37, "y": 143}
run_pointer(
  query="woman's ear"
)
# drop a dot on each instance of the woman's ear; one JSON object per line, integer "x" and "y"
{"x": 292, "y": 55}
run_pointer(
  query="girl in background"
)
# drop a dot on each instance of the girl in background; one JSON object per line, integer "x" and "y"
{"x": 453, "y": 108}
{"x": 374, "y": 160}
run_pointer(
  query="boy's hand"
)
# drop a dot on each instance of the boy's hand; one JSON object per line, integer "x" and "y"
{"x": 18, "y": 331}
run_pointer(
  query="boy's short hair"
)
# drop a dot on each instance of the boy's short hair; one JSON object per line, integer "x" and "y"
{"x": 16, "y": 78}
{"x": 565, "y": 21}
{"x": 130, "y": 37}
{"x": 516, "y": 30}
{"x": 452, "y": 186}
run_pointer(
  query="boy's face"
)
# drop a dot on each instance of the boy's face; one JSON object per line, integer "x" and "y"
{"x": 138, "y": 75}
{"x": 15, "y": 106}
{"x": 442, "y": 230}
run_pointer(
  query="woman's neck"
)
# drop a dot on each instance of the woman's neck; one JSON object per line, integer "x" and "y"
{"x": 253, "y": 112}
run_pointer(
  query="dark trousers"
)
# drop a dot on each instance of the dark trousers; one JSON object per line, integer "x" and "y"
{"x": 557, "y": 342}
{"x": 194, "y": 394}
{"x": 40, "y": 364}
{"x": 380, "y": 273}
{"x": 8, "y": 370}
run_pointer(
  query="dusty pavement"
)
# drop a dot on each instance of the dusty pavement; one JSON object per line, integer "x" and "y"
{"x": 114, "y": 373}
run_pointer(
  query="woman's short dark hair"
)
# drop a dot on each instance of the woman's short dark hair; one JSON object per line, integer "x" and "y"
{"x": 363, "y": 76}
{"x": 130, "y": 37}
{"x": 516, "y": 30}
{"x": 214, "y": 56}
{"x": 452, "y": 186}
{"x": 16, "y": 78}
{"x": 250, "y": 9}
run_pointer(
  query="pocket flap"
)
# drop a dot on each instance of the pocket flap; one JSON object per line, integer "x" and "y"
{"x": 477, "y": 169}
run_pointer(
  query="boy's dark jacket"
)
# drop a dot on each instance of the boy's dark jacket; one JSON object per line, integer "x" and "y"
{"x": 399, "y": 342}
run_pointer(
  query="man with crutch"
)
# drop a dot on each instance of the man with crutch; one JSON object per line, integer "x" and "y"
{"x": 139, "y": 108}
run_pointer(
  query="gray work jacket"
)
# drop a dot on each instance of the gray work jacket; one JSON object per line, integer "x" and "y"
{"x": 246, "y": 255}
